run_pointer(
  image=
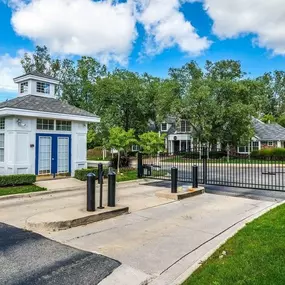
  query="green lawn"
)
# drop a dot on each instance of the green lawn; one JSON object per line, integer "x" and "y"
{"x": 254, "y": 256}
{"x": 20, "y": 189}
{"x": 127, "y": 175}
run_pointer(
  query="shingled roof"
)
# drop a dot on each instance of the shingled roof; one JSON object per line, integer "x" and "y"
{"x": 270, "y": 132}
{"x": 44, "y": 104}
{"x": 36, "y": 73}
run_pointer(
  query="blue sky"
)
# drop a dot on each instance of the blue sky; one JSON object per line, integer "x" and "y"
{"x": 143, "y": 35}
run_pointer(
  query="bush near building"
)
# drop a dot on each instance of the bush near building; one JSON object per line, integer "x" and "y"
{"x": 269, "y": 153}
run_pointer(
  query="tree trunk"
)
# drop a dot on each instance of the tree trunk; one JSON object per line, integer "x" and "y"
{"x": 118, "y": 163}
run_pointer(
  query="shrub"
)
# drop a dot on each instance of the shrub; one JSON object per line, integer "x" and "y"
{"x": 217, "y": 154}
{"x": 191, "y": 154}
{"x": 269, "y": 153}
{"x": 124, "y": 161}
{"x": 17, "y": 179}
{"x": 81, "y": 174}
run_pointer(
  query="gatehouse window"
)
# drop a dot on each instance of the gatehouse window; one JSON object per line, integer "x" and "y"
{"x": 2, "y": 124}
{"x": 43, "y": 87}
{"x": 2, "y": 148}
{"x": 24, "y": 87}
{"x": 63, "y": 125}
{"x": 45, "y": 124}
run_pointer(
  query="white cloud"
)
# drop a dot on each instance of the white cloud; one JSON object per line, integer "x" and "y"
{"x": 166, "y": 27}
{"x": 263, "y": 18}
{"x": 10, "y": 67}
{"x": 105, "y": 29}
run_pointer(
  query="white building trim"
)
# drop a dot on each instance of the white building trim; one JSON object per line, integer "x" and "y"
{"x": 46, "y": 115}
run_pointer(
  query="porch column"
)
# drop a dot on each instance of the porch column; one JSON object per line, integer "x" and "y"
{"x": 279, "y": 144}
{"x": 259, "y": 145}
{"x": 180, "y": 142}
{"x": 171, "y": 146}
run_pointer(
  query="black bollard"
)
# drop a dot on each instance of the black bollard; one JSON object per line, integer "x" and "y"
{"x": 140, "y": 165}
{"x": 174, "y": 178}
{"x": 100, "y": 181}
{"x": 91, "y": 207}
{"x": 195, "y": 176}
{"x": 112, "y": 189}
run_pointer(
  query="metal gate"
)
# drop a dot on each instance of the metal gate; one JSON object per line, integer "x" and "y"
{"x": 217, "y": 168}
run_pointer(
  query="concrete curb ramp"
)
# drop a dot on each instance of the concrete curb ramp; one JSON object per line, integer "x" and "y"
{"x": 71, "y": 217}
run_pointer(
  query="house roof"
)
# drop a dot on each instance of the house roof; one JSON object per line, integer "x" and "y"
{"x": 268, "y": 131}
{"x": 44, "y": 104}
{"x": 36, "y": 73}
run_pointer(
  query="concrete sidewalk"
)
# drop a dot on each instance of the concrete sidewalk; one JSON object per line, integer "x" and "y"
{"x": 16, "y": 211}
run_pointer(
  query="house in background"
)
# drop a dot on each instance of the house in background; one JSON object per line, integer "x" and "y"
{"x": 266, "y": 136}
{"x": 179, "y": 136}
{"x": 40, "y": 134}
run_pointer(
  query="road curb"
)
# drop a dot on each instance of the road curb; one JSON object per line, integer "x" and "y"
{"x": 67, "y": 218}
{"x": 63, "y": 190}
{"x": 40, "y": 193}
{"x": 186, "y": 274}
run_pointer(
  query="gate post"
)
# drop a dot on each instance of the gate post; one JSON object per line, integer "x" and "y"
{"x": 140, "y": 166}
{"x": 205, "y": 168}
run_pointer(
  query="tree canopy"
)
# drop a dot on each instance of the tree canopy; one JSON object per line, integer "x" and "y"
{"x": 219, "y": 99}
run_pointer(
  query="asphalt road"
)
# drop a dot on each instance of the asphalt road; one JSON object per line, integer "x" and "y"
{"x": 27, "y": 258}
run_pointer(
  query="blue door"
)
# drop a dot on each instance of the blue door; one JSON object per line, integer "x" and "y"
{"x": 53, "y": 154}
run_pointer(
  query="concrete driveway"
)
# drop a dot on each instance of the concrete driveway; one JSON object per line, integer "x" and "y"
{"x": 166, "y": 240}
{"x": 159, "y": 240}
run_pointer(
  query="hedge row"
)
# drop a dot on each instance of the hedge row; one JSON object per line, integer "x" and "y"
{"x": 81, "y": 174}
{"x": 212, "y": 154}
{"x": 17, "y": 179}
{"x": 269, "y": 152}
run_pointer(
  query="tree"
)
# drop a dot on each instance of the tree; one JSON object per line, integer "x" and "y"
{"x": 120, "y": 140}
{"x": 218, "y": 103}
{"x": 41, "y": 61}
{"x": 152, "y": 142}
{"x": 281, "y": 120}
{"x": 274, "y": 89}
{"x": 268, "y": 119}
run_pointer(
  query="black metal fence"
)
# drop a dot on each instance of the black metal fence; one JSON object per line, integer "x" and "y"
{"x": 217, "y": 168}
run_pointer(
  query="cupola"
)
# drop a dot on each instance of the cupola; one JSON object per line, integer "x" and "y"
{"x": 38, "y": 84}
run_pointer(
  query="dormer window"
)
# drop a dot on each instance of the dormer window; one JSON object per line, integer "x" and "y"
{"x": 43, "y": 87}
{"x": 164, "y": 127}
{"x": 24, "y": 87}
